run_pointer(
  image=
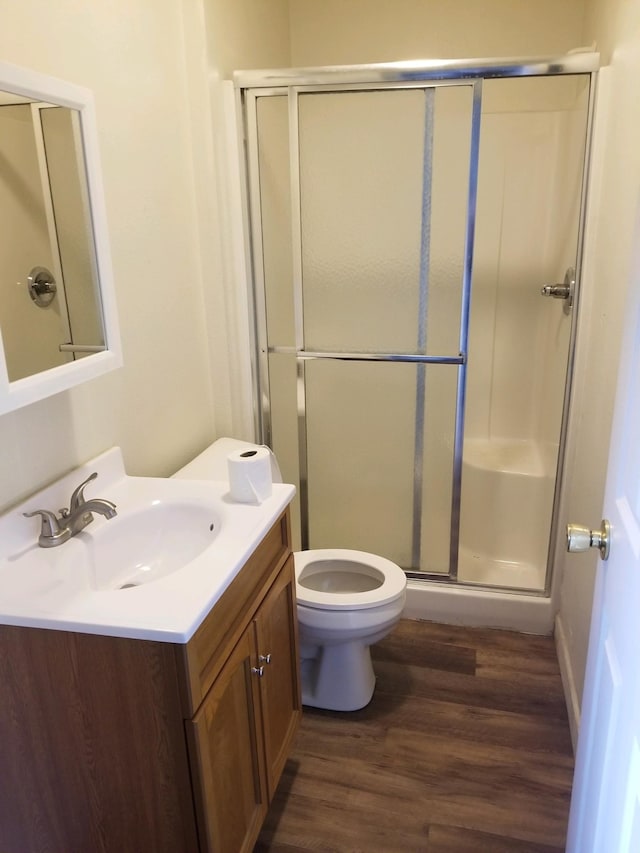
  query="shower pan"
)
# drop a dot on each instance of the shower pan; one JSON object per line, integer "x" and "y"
{"x": 415, "y": 233}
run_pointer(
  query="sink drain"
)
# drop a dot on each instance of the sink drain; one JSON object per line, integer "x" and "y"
{"x": 128, "y": 585}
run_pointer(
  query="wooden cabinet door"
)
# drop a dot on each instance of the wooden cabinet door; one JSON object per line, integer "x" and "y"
{"x": 229, "y": 783}
{"x": 277, "y": 646}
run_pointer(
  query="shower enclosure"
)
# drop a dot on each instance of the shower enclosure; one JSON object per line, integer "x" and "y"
{"x": 411, "y": 374}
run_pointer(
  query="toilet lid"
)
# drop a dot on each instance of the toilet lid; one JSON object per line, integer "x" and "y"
{"x": 393, "y": 585}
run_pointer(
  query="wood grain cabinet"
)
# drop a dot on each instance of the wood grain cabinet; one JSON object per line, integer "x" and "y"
{"x": 114, "y": 745}
{"x": 240, "y": 736}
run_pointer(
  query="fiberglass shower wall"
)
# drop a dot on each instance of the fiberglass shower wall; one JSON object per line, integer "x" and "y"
{"x": 529, "y": 193}
{"x": 361, "y": 232}
{"x": 530, "y": 181}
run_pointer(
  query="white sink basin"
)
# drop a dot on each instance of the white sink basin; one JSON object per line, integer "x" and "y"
{"x": 150, "y": 542}
{"x": 153, "y": 571}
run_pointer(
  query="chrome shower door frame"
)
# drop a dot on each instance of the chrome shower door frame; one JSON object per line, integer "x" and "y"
{"x": 291, "y": 83}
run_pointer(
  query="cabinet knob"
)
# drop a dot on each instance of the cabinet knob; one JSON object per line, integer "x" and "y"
{"x": 265, "y": 658}
{"x": 258, "y": 670}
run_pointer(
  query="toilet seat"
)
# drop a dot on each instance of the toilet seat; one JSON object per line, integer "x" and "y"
{"x": 390, "y": 580}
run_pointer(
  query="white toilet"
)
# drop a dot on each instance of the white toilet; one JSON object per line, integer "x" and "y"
{"x": 347, "y": 600}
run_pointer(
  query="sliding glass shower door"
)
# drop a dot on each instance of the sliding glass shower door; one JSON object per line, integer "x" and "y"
{"x": 363, "y": 328}
{"x": 363, "y": 201}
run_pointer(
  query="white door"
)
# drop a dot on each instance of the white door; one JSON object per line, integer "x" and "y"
{"x": 605, "y": 809}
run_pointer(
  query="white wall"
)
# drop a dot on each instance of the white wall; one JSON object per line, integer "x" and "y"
{"x": 247, "y": 34}
{"x": 615, "y": 24}
{"x": 159, "y": 406}
{"x": 220, "y": 37}
{"x": 352, "y": 31}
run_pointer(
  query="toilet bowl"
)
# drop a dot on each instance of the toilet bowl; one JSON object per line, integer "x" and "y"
{"x": 347, "y": 601}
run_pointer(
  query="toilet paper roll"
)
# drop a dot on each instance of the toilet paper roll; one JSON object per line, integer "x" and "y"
{"x": 250, "y": 475}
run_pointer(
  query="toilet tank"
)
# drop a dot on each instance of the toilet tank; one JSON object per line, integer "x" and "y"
{"x": 211, "y": 464}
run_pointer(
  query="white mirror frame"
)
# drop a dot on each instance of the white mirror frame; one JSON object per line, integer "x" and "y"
{"x": 13, "y": 395}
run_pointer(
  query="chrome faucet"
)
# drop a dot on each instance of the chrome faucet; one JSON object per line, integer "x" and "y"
{"x": 57, "y": 529}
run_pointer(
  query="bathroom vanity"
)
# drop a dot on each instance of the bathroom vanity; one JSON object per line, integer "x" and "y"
{"x": 121, "y": 744}
{"x": 241, "y": 681}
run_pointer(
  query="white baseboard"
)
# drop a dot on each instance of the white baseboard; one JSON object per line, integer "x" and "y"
{"x": 568, "y": 682}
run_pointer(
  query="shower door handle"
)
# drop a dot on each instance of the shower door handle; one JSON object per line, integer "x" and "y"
{"x": 564, "y": 290}
{"x": 580, "y": 538}
{"x": 558, "y": 291}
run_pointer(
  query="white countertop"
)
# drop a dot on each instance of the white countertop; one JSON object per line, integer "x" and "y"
{"x": 58, "y": 588}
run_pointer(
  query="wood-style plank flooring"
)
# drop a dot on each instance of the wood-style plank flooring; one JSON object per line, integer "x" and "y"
{"x": 465, "y": 748}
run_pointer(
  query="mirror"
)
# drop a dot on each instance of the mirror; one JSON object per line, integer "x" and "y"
{"x": 58, "y": 323}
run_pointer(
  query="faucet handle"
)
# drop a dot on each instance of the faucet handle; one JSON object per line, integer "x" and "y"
{"x": 50, "y": 531}
{"x": 77, "y": 497}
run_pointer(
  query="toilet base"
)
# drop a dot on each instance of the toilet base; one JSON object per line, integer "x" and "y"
{"x": 340, "y": 678}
